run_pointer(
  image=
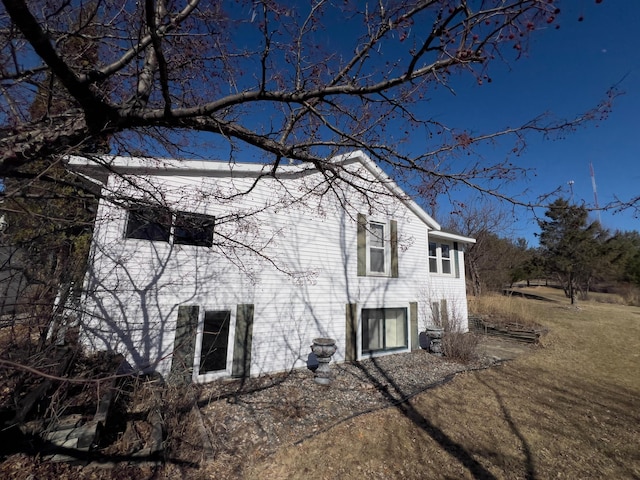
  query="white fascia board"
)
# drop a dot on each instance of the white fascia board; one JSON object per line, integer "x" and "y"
{"x": 211, "y": 168}
{"x": 392, "y": 186}
{"x": 451, "y": 236}
{"x": 165, "y": 166}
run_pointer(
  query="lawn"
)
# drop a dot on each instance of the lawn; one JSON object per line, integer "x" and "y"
{"x": 569, "y": 409}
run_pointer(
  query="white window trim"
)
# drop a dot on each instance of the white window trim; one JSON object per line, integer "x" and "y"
{"x": 387, "y": 249}
{"x": 360, "y": 354}
{"x": 439, "y": 258}
{"x": 210, "y": 376}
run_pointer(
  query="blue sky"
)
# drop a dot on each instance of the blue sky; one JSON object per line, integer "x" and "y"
{"x": 567, "y": 71}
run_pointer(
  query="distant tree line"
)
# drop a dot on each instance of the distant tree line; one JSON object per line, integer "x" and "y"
{"x": 580, "y": 253}
{"x": 574, "y": 252}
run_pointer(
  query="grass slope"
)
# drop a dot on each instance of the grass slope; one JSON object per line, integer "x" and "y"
{"x": 570, "y": 409}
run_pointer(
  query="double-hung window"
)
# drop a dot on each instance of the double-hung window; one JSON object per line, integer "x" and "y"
{"x": 377, "y": 247}
{"x": 440, "y": 258}
{"x": 445, "y": 258}
{"x": 157, "y": 224}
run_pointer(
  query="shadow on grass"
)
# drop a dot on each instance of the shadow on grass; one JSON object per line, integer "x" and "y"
{"x": 530, "y": 467}
{"x": 394, "y": 393}
{"x": 590, "y": 426}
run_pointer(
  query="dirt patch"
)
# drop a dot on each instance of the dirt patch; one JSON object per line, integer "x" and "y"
{"x": 500, "y": 350}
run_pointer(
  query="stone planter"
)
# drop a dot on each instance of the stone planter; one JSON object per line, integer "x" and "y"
{"x": 435, "y": 340}
{"x": 323, "y": 349}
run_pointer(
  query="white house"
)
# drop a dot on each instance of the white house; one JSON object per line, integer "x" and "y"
{"x": 209, "y": 269}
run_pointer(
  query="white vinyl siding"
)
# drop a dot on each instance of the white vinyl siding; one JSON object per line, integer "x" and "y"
{"x": 291, "y": 255}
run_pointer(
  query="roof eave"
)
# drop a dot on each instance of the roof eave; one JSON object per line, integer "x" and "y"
{"x": 393, "y": 187}
{"x": 451, "y": 236}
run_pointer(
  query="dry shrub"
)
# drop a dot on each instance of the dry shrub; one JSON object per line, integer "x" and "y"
{"x": 291, "y": 405}
{"x": 182, "y": 432}
{"x": 456, "y": 343}
{"x": 632, "y": 297}
{"x": 629, "y": 293}
{"x": 609, "y": 298}
{"x": 460, "y": 346}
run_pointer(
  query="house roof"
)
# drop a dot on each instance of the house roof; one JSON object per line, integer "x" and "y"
{"x": 96, "y": 167}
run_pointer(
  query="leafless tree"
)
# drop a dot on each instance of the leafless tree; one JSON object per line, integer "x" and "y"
{"x": 277, "y": 79}
{"x": 490, "y": 261}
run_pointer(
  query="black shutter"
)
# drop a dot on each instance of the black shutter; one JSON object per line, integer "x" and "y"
{"x": 184, "y": 344}
{"x": 243, "y": 340}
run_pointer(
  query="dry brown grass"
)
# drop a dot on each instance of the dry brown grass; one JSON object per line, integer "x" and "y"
{"x": 503, "y": 309}
{"x": 607, "y": 298}
{"x": 569, "y": 410}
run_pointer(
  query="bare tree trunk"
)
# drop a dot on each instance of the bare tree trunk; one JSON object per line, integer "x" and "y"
{"x": 476, "y": 284}
{"x": 572, "y": 294}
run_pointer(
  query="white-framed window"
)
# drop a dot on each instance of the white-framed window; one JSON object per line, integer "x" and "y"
{"x": 384, "y": 330}
{"x": 377, "y": 243}
{"x": 213, "y": 356}
{"x": 440, "y": 258}
{"x": 378, "y": 249}
{"x": 157, "y": 224}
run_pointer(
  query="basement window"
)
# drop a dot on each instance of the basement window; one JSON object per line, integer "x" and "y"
{"x": 384, "y": 329}
{"x": 214, "y": 341}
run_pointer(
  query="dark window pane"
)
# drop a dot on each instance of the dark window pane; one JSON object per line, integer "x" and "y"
{"x": 433, "y": 265}
{"x": 432, "y": 249}
{"x": 213, "y": 355}
{"x": 377, "y": 260}
{"x": 191, "y": 229}
{"x": 149, "y": 223}
{"x": 446, "y": 266}
{"x": 445, "y": 250}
